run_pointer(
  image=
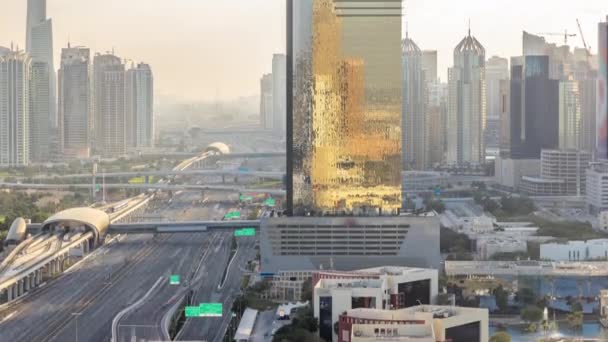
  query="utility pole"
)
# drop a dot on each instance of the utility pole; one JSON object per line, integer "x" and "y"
{"x": 103, "y": 187}
{"x": 76, "y": 314}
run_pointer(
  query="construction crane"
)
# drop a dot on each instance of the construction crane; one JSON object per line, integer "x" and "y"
{"x": 565, "y": 35}
{"x": 587, "y": 49}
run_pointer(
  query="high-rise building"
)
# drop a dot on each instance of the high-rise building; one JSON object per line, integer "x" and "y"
{"x": 504, "y": 91}
{"x": 533, "y": 45}
{"x": 15, "y": 76}
{"x": 588, "y": 95}
{"x": 559, "y": 57}
{"x": 74, "y": 102}
{"x": 534, "y": 107}
{"x": 437, "y": 109}
{"x": 415, "y": 129}
{"x": 467, "y": 104}
{"x": 570, "y": 119}
{"x": 279, "y": 93}
{"x": 602, "y": 91}
{"x": 266, "y": 103}
{"x": 429, "y": 64}
{"x": 436, "y": 138}
{"x": 345, "y": 107}
{"x": 139, "y": 98}
{"x": 497, "y": 70}
{"x": 40, "y": 121}
{"x": 39, "y": 46}
{"x": 109, "y": 105}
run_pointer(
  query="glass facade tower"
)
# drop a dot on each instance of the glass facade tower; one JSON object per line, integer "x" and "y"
{"x": 344, "y": 107}
{"x": 602, "y": 91}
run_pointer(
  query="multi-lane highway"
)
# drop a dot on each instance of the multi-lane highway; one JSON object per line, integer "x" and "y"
{"x": 86, "y": 299}
{"x": 146, "y": 320}
{"x": 213, "y": 328}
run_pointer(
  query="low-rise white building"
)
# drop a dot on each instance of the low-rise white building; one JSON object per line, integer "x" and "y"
{"x": 488, "y": 246}
{"x": 287, "y": 285}
{"x": 603, "y": 219}
{"x": 425, "y": 323}
{"x": 575, "y": 250}
{"x": 384, "y": 288}
{"x": 597, "y": 187}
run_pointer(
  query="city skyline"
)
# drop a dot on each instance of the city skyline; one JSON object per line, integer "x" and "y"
{"x": 250, "y": 22}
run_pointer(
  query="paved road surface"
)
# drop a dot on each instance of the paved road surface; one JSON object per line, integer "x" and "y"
{"x": 145, "y": 322}
{"x": 212, "y": 328}
{"x": 134, "y": 265}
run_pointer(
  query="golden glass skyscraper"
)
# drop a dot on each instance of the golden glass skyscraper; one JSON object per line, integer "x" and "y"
{"x": 344, "y": 107}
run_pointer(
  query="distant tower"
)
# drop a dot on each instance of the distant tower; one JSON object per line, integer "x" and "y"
{"x": 109, "y": 106}
{"x": 466, "y": 120}
{"x": 279, "y": 94}
{"x": 266, "y": 102}
{"x": 497, "y": 70}
{"x": 414, "y": 120}
{"x": 39, "y": 45}
{"x": 139, "y": 107}
{"x": 602, "y": 91}
{"x": 40, "y": 122}
{"x": 570, "y": 117}
{"x": 534, "y": 107}
{"x": 15, "y": 73}
{"x": 74, "y": 102}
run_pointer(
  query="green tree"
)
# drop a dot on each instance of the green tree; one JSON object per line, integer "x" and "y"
{"x": 532, "y": 314}
{"x": 502, "y": 297}
{"x": 575, "y": 319}
{"x": 526, "y": 296}
{"x": 306, "y": 319}
{"x": 290, "y": 333}
{"x": 239, "y": 305}
{"x": 451, "y": 241}
{"x": 306, "y": 290}
{"x": 490, "y": 205}
{"x": 436, "y": 205}
{"x": 576, "y": 307}
{"x": 500, "y": 336}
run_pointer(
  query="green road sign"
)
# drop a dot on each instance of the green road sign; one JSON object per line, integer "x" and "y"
{"x": 174, "y": 279}
{"x": 270, "y": 202}
{"x": 210, "y": 310}
{"x": 193, "y": 311}
{"x": 232, "y": 214}
{"x": 244, "y": 232}
{"x": 246, "y": 198}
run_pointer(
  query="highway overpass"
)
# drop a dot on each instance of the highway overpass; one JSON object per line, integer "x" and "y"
{"x": 163, "y": 173}
{"x": 165, "y": 187}
{"x": 163, "y": 227}
{"x": 250, "y": 155}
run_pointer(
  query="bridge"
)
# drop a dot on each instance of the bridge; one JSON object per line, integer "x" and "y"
{"x": 174, "y": 172}
{"x": 157, "y": 186}
{"x": 250, "y": 155}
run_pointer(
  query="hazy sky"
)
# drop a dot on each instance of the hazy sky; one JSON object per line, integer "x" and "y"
{"x": 207, "y": 49}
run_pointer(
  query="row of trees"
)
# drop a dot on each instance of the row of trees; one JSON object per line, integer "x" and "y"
{"x": 21, "y": 204}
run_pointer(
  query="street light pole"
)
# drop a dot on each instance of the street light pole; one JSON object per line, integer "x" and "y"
{"x": 76, "y": 314}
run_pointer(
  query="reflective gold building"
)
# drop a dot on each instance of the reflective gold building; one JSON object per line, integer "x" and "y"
{"x": 344, "y": 107}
